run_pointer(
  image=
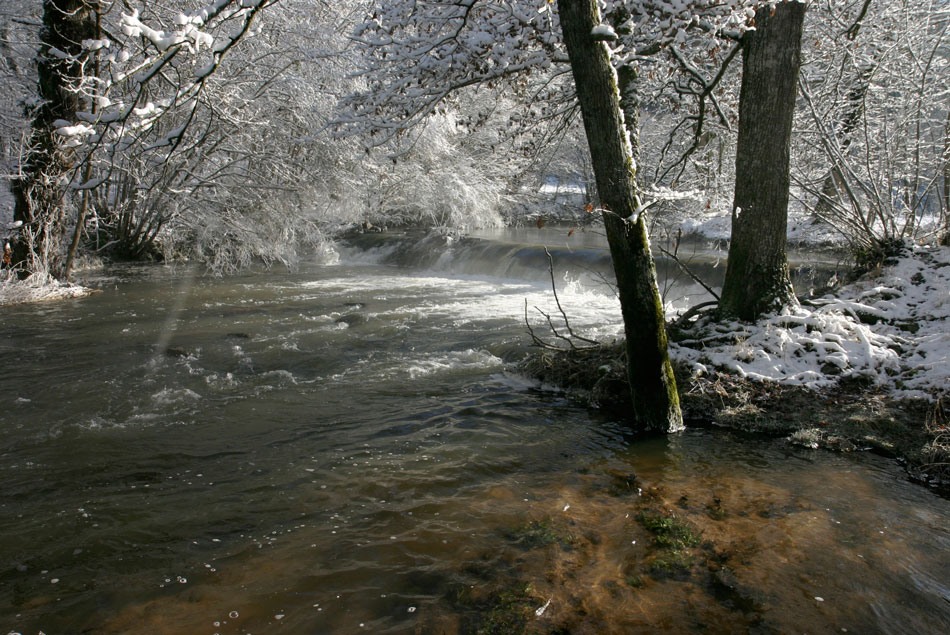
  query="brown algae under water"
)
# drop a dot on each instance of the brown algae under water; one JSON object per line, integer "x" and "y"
{"x": 687, "y": 534}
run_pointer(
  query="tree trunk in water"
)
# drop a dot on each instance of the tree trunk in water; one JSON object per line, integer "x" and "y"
{"x": 652, "y": 385}
{"x": 39, "y": 189}
{"x": 757, "y": 273}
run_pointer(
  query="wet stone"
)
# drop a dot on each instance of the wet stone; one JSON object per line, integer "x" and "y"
{"x": 622, "y": 483}
{"x": 351, "y": 319}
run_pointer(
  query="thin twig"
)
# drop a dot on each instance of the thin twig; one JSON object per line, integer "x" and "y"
{"x": 534, "y": 338}
{"x": 688, "y": 271}
{"x": 567, "y": 323}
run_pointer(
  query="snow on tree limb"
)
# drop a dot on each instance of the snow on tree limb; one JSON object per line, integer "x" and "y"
{"x": 418, "y": 54}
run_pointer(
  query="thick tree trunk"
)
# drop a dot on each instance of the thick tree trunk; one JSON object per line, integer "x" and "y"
{"x": 39, "y": 190}
{"x": 757, "y": 273}
{"x": 652, "y": 385}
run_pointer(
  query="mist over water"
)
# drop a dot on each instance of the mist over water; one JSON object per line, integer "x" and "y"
{"x": 344, "y": 449}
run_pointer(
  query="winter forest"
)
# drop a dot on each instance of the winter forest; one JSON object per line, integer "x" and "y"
{"x": 245, "y": 131}
{"x": 475, "y": 316}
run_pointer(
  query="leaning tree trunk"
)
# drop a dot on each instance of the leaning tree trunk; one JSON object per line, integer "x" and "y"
{"x": 39, "y": 189}
{"x": 652, "y": 385}
{"x": 757, "y": 278}
{"x": 834, "y": 182}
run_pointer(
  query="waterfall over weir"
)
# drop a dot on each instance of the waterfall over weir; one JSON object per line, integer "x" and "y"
{"x": 475, "y": 256}
{"x": 579, "y": 257}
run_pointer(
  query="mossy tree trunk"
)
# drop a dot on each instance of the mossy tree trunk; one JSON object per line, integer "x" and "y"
{"x": 652, "y": 385}
{"x": 39, "y": 190}
{"x": 757, "y": 278}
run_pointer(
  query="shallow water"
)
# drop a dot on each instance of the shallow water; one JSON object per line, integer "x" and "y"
{"x": 343, "y": 449}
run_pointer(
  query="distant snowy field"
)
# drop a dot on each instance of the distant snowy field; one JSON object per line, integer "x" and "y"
{"x": 803, "y": 229}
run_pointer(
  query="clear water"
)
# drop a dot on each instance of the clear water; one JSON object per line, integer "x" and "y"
{"x": 343, "y": 449}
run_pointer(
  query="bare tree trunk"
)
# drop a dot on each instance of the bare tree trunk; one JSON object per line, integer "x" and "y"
{"x": 39, "y": 189}
{"x": 628, "y": 84}
{"x": 652, "y": 384}
{"x": 757, "y": 278}
{"x": 944, "y": 238}
{"x": 86, "y": 194}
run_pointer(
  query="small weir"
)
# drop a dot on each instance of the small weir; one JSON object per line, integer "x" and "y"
{"x": 344, "y": 449}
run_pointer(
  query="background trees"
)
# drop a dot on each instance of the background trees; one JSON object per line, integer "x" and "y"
{"x": 874, "y": 121}
{"x": 39, "y": 187}
{"x": 242, "y": 131}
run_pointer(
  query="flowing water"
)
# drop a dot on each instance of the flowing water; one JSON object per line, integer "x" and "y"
{"x": 344, "y": 449}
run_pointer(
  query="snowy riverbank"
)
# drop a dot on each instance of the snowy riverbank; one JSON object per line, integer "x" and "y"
{"x": 864, "y": 368}
{"x": 37, "y": 288}
{"x": 889, "y": 327}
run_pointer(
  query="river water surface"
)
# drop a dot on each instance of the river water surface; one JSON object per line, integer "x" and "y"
{"x": 344, "y": 448}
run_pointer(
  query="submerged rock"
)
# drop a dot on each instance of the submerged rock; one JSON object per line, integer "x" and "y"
{"x": 351, "y": 319}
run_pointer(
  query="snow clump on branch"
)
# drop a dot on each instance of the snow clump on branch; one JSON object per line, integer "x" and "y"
{"x": 416, "y": 54}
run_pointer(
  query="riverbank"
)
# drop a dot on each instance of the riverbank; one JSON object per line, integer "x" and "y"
{"x": 864, "y": 368}
{"x": 37, "y": 288}
{"x": 851, "y": 416}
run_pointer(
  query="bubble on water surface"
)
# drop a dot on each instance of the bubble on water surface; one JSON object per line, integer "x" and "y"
{"x": 233, "y": 614}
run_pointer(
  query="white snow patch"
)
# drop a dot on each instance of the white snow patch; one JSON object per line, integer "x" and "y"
{"x": 892, "y": 327}
{"x": 604, "y": 32}
{"x": 37, "y": 288}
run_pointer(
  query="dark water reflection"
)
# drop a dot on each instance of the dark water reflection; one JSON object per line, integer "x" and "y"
{"x": 191, "y": 455}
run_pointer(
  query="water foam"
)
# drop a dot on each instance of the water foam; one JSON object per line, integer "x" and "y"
{"x": 470, "y": 359}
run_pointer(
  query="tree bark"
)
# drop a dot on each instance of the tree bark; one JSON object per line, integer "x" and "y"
{"x": 652, "y": 384}
{"x": 86, "y": 194}
{"x": 39, "y": 189}
{"x": 833, "y": 184}
{"x": 757, "y": 278}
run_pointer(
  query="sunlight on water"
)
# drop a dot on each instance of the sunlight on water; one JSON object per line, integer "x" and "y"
{"x": 344, "y": 449}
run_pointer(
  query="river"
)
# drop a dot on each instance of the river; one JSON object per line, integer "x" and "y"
{"x": 344, "y": 448}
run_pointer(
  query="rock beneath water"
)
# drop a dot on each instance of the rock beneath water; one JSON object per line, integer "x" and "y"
{"x": 239, "y": 336}
{"x": 351, "y": 319}
{"x": 623, "y": 483}
{"x": 177, "y": 351}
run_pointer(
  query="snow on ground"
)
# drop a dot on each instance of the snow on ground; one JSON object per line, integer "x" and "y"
{"x": 36, "y": 288}
{"x": 803, "y": 228}
{"x": 891, "y": 326}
